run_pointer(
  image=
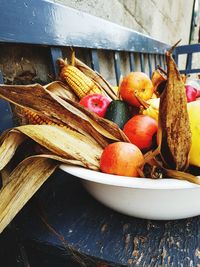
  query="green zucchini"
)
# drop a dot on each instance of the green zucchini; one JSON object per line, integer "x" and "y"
{"x": 118, "y": 112}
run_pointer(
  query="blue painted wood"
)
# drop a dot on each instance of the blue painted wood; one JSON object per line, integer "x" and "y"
{"x": 155, "y": 61}
{"x": 55, "y": 53}
{"x": 94, "y": 60}
{"x": 189, "y": 62}
{"x": 142, "y": 67}
{"x": 15, "y": 253}
{"x": 117, "y": 64}
{"x": 188, "y": 50}
{"x": 132, "y": 61}
{"x": 149, "y": 57}
{"x": 160, "y": 60}
{"x": 68, "y": 221}
{"x": 6, "y": 115}
{"x": 164, "y": 62}
{"x": 48, "y": 23}
{"x": 189, "y": 71}
{"x": 185, "y": 49}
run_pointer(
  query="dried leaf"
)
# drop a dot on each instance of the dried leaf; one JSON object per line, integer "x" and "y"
{"x": 11, "y": 142}
{"x": 97, "y": 78}
{"x": 5, "y": 175}
{"x": 70, "y": 113}
{"x": 174, "y": 132}
{"x": 65, "y": 143}
{"x": 63, "y": 160}
{"x": 62, "y": 90}
{"x": 183, "y": 176}
{"x": 25, "y": 180}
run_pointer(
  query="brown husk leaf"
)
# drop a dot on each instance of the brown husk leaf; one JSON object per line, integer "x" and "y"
{"x": 10, "y": 143}
{"x": 62, "y": 90}
{"x": 65, "y": 143}
{"x": 25, "y": 180}
{"x": 97, "y": 78}
{"x": 61, "y": 142}
{"x": 174, "y": 132}
{"x": 153, "y": 168}
{"x": 45, "y": 103}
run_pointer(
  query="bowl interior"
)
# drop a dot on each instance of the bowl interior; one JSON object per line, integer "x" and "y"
{"x": 124, "y": 181}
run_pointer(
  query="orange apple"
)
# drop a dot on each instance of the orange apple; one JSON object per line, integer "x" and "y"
{"x": 136, "y": 83}
{"x": 121, "y": 158}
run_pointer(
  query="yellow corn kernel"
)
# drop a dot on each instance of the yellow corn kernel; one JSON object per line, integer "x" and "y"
{"x": 81, "y": 84}
{"x": 34, "y": 118}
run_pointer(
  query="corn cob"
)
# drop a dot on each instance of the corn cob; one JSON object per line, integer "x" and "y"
{"x": 81, "y": 84}
{"x": 34, "y": 118}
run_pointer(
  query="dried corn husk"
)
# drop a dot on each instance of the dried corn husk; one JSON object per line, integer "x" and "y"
{"x": 154, "y": 168}
{"x": 61, "y": 142}
{"x": 25, "y": 180}
{"x": 174, "y": 132}
{"x": 183, "y": 176}
{"x": 62, "y": 90}
{"x": 9, "y": 145}
{"x": 68, "y": 112}
{"x": 65, "y": 143}
{"x": 97, "y": 78}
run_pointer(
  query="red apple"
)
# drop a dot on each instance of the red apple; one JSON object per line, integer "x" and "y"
{"x": 191, "y": 93}
{"x": 140, "y": 130}
{"x": 136, "y": 83}
{"x": 121, "y": 158}
{"x": 96, "y": 103}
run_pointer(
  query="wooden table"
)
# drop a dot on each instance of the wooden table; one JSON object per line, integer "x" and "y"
{"x": 62, "y": 219}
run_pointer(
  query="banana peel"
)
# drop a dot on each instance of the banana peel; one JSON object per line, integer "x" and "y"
{"x": 194, "y": 111}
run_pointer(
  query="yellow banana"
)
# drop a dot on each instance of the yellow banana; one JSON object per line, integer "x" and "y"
{"x": 194, "y": 111}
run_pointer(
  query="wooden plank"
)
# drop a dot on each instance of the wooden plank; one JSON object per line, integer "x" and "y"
{"x": 189, "y": 71}
{"x": 189, "y": 62}
{"x": 185, "y": 49}
{"x": 164, "y": 62}
{"x": 55, "y": 54}
{"x": 49, "y": 23}
{"x": 131, "y": 61}
{"x": 155, "y": 61}
{"x": 160, "y": 60}
{"x": 142, "y": 64}
{"x": 94, "y": 60}
{"x": 6, "y": 115}
{"x": 117, "y": 64}
{"x": 149, "y": 57}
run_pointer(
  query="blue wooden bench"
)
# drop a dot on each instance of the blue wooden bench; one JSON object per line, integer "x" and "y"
{"x": 62, "y": 220}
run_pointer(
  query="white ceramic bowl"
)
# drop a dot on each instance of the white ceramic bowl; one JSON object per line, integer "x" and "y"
{"x": 163, "y": 199}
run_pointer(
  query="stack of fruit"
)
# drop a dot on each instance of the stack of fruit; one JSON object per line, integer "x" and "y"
{"x": 136, "y": 112}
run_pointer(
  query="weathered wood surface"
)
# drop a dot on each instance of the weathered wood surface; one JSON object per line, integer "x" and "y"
{"x": 64, "y": 219}
{"x": 61, "y": 27}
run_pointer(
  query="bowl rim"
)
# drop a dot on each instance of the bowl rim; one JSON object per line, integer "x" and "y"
{"x": 124, "y": 181}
